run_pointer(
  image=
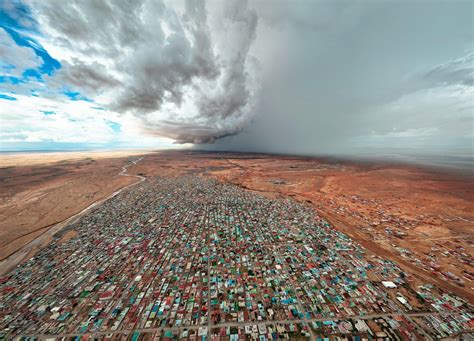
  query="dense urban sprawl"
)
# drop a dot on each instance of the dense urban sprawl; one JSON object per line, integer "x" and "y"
{"x": 193, "y": 258}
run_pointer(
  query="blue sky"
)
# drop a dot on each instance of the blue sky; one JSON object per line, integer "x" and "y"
{"x": 21, "y": 27}
{"x": 37, "y": 111}
{"x": 310, "y": 77}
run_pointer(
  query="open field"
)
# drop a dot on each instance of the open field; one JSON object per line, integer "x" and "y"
{"x": 38, "y": 191}
{"x": 420, "y": 218}
{"x": 35, "y": 158}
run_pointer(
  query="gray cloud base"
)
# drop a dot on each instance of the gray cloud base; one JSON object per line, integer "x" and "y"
{"x": 293, "y": 77}
{"x": 160, "y": 59}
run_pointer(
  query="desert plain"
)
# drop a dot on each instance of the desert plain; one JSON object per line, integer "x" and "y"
{"x": 419, "y": 217}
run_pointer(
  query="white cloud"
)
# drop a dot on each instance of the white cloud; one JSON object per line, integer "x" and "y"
{"x": 24, "y": 120}
{"x": 295, "y": 77}
{"x": 14, "y": 59}
{"x": 184, "y": 74}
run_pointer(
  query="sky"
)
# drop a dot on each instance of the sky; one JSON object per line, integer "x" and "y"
{"x": 298, "y": 77}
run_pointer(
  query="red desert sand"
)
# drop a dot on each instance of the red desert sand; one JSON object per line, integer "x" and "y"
{"x": 419, "y": 217}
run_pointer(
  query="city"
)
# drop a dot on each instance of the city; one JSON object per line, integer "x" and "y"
{"x": 236, "y": 170}
{"x": 192, "y": 258}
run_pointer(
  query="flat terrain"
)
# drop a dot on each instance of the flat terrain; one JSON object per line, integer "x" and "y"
{"x": 420, "y": 218}
{"x": 38, "y": 191}
{"x": 187, "y": 256}
{"x": 49, "y": 158}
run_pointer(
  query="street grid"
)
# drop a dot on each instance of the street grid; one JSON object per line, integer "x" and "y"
{"x": 191, "y": 254}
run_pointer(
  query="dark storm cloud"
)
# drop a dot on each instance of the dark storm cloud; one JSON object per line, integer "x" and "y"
{"x": 93, "y": 78}
{"x": 347, "y": 76}
{"x": 190, "y": 132}
{"x": 283, "y": 76}
{"x": 157, "y": 57}
{"x": 234, "y": 93}
{"x": 162, "y": 67}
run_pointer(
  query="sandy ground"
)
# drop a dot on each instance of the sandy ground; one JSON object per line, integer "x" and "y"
{"x": 420, "y": 218}
{"x": 30, "y": 159}
{"x": 38, "y": 191}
